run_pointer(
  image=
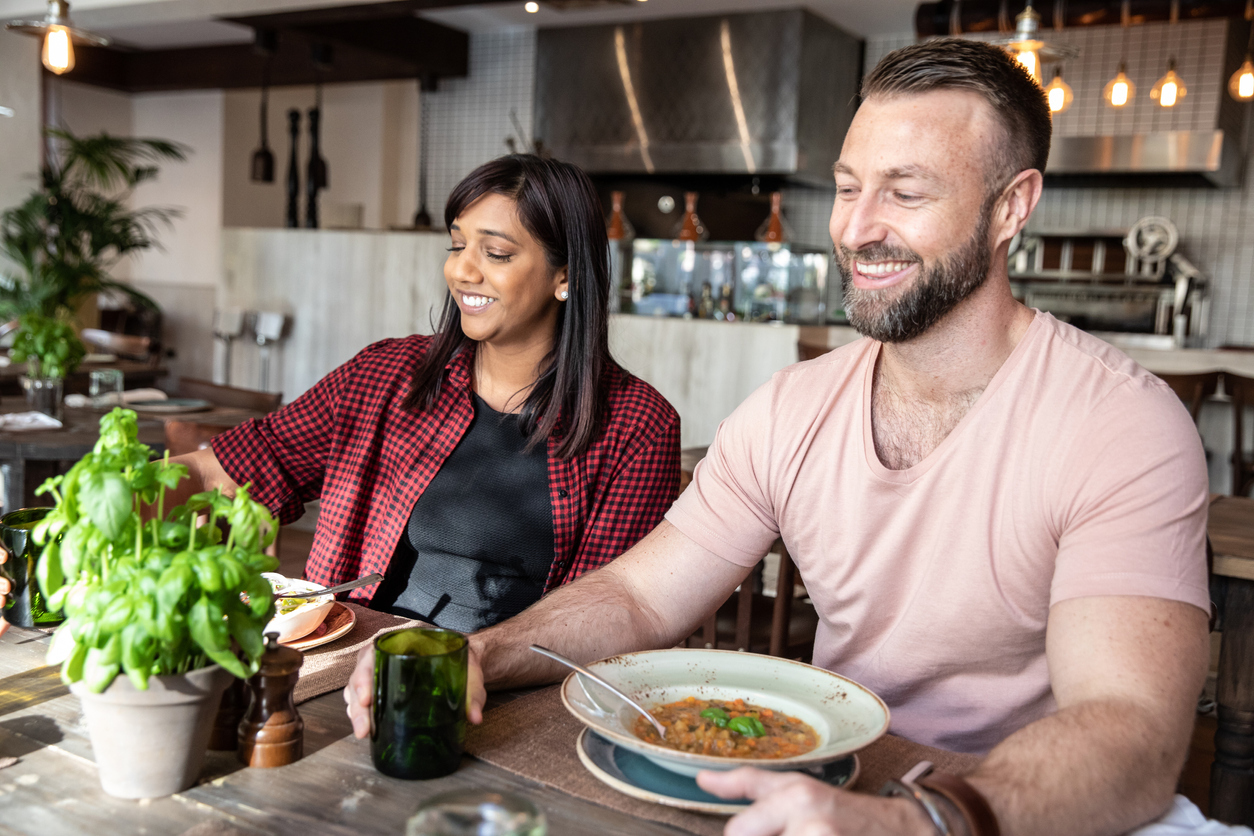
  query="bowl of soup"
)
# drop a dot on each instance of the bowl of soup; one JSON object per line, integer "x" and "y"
{"x": 724, "y": 709}
{"x": 296, "y": 618}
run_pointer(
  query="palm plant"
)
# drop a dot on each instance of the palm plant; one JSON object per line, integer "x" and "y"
{"x": 76, "y": 225}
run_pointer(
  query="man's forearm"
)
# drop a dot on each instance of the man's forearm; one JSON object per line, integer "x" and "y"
{"x": 1089, "y": 770}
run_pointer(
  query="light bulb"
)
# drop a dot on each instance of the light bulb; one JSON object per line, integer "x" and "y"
{"x": 58, "y": 54}
{"x": 1058, "y": 93}
{"x": 1170, "y": 88}
{"x": 532, "y": 7}
{"x": 1120, "y": 89}
{"x": 1241, "y": 85}
{"x": 1029, "y": 60}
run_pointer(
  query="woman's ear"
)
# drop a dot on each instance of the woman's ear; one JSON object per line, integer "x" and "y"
{"x": 561, "y": 284}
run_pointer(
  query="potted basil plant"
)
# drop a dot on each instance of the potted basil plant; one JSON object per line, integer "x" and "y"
{"x": 160, "y": 613}
{"x": 51, "y": 349}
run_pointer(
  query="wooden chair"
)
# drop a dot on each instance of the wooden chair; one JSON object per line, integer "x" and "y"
{"x": 219, "y": 395}
{"x": 763, "y": 623}
{"x": 808, "y": 351}
{"x": 1193, "y": 389}
{"x": 1241, "y": 390}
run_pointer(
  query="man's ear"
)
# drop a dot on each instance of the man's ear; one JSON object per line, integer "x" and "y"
{"x": 1016, "y": 204}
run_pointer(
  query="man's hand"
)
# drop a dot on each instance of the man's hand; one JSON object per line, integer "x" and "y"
{"x": 4, "y": 591}
{"x": 793, "y": 804}
{"x": 359, "y": 692}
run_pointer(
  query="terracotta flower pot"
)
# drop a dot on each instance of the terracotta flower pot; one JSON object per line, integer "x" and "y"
{"x": 150, "y": 744}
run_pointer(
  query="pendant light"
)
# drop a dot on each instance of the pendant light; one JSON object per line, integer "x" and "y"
{"x": 1120, "y": 90}
{"x": 1028, "y": 49}
{"x": 263, "y": 159}
{"x": 59, "y": 36}
{"x": 1058, "y": 93}
{"x": 1241, "y": 85}
{"x": 1169, "y": 89}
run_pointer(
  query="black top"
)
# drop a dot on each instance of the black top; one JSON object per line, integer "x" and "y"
{"x": 479, "y": 543}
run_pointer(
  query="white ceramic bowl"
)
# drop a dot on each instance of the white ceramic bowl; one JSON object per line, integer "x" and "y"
{"x": 845, "y": 716}
{"x": 304, "y": 619}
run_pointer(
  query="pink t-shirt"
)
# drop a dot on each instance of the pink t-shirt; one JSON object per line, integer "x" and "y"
{"x": 1076, "y": 473}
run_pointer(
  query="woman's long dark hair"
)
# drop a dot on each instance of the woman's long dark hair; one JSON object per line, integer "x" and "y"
{"x": 558, "y": 205}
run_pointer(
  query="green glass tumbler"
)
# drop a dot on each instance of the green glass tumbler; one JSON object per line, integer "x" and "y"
{"x": 24, "y": 605}
{"x": 419, "y": 709}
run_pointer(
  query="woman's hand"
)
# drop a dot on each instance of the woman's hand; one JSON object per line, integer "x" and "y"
{"x": 359, "y": 693}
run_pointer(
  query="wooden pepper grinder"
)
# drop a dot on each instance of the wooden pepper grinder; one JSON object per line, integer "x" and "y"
{"x": 272, "y": 732}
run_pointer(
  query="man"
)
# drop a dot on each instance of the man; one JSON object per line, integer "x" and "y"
{"x": 1000, "y": 519}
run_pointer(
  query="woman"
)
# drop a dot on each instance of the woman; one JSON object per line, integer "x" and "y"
{"x": 500, "y": 457}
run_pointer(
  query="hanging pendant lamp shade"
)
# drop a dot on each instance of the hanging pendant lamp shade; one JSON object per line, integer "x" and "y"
{"x": 1241, "y": 84}
{"x": 1027, "y": 47}
{"x": 59, "y": 36}
{"x": 1119, "y": 90}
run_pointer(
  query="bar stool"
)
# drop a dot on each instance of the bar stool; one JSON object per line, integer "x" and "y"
{"x": 1193, "y": 389}
{"x": 1241, "y": 390}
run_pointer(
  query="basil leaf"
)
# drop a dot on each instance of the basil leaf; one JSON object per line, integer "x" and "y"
{"x": 106, "y": 497}
{"x": 747, "y": 726}
{"x": 717, "y": 716}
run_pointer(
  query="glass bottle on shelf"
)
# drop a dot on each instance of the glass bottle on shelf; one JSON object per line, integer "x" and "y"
{"x": 621, "y": 233}
{"x": 774, "y": 230}
{"x": 690, "y": 227}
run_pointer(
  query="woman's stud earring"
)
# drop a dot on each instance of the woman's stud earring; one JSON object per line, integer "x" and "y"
{"x": 565, "y": 295}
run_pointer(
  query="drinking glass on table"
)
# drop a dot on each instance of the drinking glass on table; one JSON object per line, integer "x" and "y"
{"x": 105, "y": 388}
{"x": 419, "y": 710}
{"x": 476, "y": 813}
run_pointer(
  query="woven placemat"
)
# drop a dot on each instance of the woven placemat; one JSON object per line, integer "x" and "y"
{"x": 534, "y": 736}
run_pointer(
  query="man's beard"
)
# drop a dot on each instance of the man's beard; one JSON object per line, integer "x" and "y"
{"x": 937, "y": 290}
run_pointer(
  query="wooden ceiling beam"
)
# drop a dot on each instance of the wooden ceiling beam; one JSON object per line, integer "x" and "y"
{"x": 397, "y": 46}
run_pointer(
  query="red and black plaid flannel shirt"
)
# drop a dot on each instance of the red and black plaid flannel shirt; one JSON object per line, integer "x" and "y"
{"x": 349, "y": 442}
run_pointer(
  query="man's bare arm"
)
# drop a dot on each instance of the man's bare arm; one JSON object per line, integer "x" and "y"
{"x": 1126, "y": 673}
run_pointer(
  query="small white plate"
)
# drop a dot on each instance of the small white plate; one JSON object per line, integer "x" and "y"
{"x": 637, "y": 776}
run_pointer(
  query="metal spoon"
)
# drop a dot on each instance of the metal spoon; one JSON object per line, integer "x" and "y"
{"x": 582, "y": 671}
{"x": 343, "y": 587}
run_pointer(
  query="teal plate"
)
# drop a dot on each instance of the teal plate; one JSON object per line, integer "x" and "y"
{"x": 639, "y": 777}
{"x": 171, "y": 406}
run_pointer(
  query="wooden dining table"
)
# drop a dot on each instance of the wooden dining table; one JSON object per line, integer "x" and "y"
{"x": 27, "y": 457}
{"x": 49, "y": 784}
{"x": 1231, "y": 531}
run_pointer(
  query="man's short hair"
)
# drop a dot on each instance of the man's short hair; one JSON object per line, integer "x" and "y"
{"x": 1017, "y": 100}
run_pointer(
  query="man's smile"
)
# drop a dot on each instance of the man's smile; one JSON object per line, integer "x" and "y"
{"x": 873, "y": 275}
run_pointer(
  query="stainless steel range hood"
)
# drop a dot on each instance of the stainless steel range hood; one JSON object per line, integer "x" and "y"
{"x": 761, "y": 93}
{"x": 1210, "y": 155}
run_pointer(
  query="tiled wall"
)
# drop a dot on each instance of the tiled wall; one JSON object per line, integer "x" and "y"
{"x": 470, "y": 120}
{"x": 470, "y": 117}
